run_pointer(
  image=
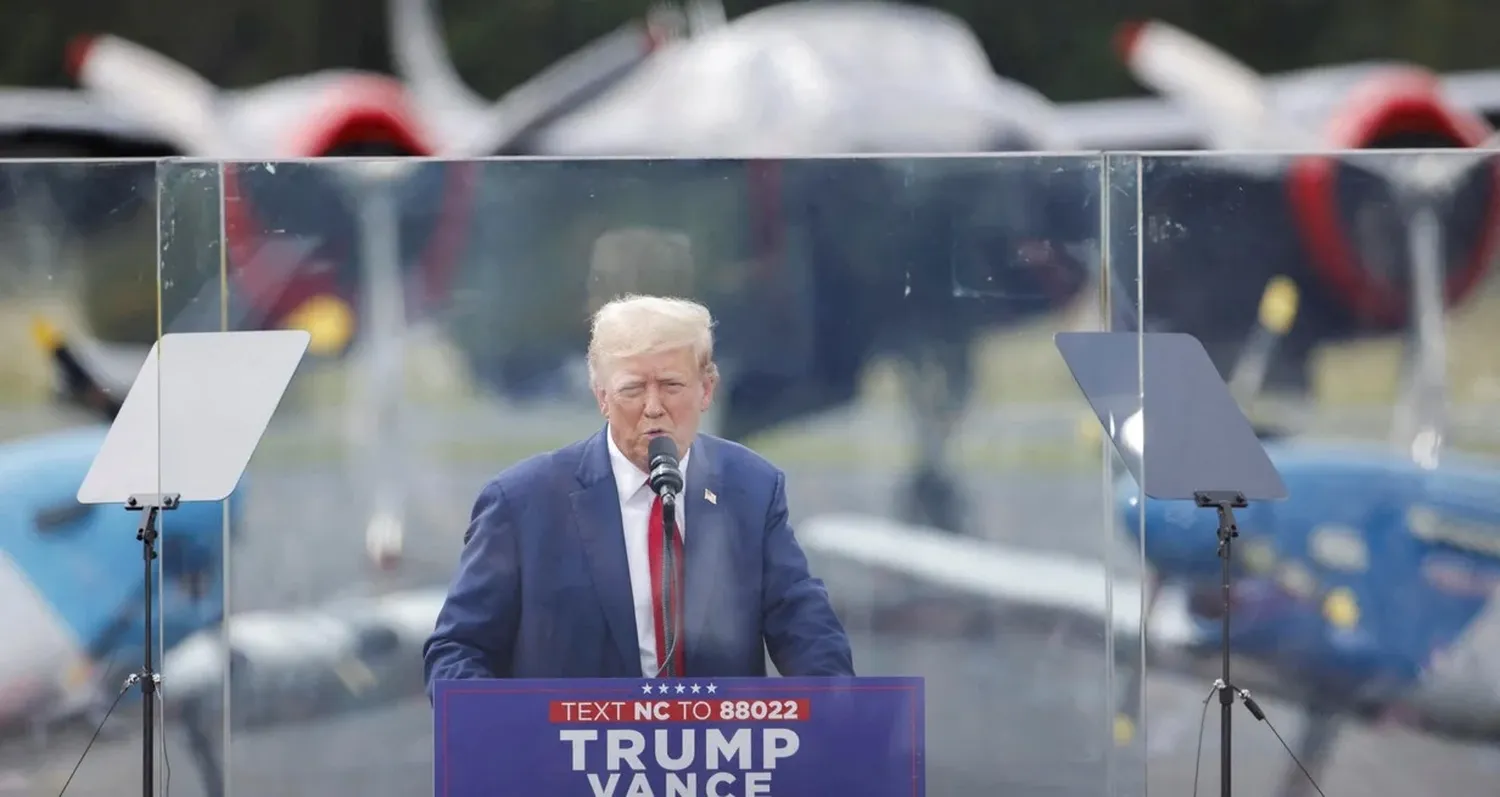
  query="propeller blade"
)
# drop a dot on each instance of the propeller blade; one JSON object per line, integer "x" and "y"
{"x": 1421, "y": 415}
{"x": 421, "y": 59}
{"x": 139, "y": 83}
{"x": 705, "y": 16}
{"x": 1228, "y": 94}
{"x": 1278, "y": 311}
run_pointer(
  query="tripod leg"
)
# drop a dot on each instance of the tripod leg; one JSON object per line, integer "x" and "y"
{"x": 1312, "y": 748}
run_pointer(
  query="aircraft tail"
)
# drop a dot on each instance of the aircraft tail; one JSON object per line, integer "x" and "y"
{"x": 78, "y": 384}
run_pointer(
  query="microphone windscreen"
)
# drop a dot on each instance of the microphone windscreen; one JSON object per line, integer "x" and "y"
{"x": 661, "y": 446}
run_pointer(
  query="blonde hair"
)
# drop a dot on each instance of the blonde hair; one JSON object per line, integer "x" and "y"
{"x": 633, "y": 325}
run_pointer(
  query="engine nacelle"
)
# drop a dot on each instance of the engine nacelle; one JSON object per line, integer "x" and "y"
{"x": 293, "y": 229}
{"x": 1348, "y": 215}
{"x": 1214, "y": 235}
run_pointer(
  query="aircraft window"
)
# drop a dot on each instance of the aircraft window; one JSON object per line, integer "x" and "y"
{"x": 58, "y": 517}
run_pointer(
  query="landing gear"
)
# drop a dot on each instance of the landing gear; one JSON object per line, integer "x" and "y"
{"x": 938, "y": 379}
{"x": 932, "y": 498}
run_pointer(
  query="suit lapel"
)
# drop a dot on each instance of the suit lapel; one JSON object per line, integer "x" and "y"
{"x": 708, "y": 544}
{"x": 596, "y": 519}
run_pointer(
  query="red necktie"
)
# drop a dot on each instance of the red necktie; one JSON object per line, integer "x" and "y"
{"x": 654, "y": 536}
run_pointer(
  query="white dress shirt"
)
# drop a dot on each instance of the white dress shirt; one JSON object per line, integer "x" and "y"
{"x": 635, "y": 518}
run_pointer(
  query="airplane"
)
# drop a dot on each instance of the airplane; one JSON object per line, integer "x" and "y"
{"x": 294, "y": 233}
{"x": 798, "y": 229}
{"x": 1325, "y": 221}
{"x": 1366, "y": 596}
{"x": 287, "y": 667}
{"x": 71, "y": 573}
{"x": 855, "y": 238}
{"x": 1368, "y": 593}
{"x": 137, "y": 104}
{"x": 861, "y": 179}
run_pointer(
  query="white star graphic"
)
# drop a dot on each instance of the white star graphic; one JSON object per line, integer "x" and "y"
{"x": 712, "y": 688}
{"x": 681, "y": 689}
{"x": 695, "y": 689}
{"x": 646, "y": 688}
{"x": 662, "y": 689}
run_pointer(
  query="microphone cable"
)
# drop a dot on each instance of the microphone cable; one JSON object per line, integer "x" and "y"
{"x": 1256, "y": 712}
{"x": 166, "y": 760}
{"x": 669, "y": 626}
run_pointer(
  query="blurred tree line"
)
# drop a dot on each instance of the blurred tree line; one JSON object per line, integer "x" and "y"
{"x": 1062, "y": 47}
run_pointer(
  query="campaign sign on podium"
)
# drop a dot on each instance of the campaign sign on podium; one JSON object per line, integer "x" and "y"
{"x": 692, "y": 737}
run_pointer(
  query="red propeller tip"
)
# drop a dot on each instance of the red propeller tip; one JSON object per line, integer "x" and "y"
{"x": 1126, "y": 38}
{"x": 78, "y": 53}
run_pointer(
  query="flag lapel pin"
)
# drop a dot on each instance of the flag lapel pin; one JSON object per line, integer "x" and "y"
{"x": 710, "y": 497}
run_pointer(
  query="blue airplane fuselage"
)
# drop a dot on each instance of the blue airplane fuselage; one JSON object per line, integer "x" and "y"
{"x": 75, "y": 571}
{"x": 1369, "y": 569}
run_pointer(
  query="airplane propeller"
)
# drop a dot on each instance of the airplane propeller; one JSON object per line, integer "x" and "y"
{"x": 1231, "y": 97}
{"x": 171, "y": 99}
{"x": 1278, "y": 310}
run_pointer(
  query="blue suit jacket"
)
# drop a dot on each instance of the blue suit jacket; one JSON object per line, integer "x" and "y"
{"x": 543, "y": 588}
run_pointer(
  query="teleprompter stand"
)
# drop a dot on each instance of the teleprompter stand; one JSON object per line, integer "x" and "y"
{"x": 1201, "y": 448}
{"x": 150, "y": 506}
{"x": 191, "y": 420}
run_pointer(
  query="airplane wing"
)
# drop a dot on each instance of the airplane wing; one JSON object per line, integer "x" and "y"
{"x": 1054, "y": 584}
{"x": 1154, "y": 123}
{"x": 312, "y": 661}
{"x": 1147, "y": 123}
{"x": 46, "y": 119}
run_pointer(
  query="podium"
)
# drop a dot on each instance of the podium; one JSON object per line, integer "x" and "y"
{"x": 689, "y": 737}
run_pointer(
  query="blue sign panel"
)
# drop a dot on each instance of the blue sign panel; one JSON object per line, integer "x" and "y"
{"x": 713, "y": 737}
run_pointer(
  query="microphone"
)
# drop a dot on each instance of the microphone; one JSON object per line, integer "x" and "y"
{"x": 666, "y": 476}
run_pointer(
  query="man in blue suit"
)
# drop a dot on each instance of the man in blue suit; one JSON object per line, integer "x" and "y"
{"x": 560, "y": 574}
